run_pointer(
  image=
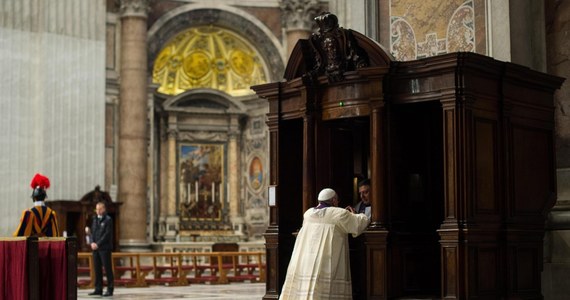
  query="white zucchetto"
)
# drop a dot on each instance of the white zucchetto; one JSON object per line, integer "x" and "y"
{"x": 326, "y": 194}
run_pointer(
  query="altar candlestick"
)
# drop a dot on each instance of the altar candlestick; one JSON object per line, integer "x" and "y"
{"x": 196, "y": 190}
{"x": 228, "y": 192}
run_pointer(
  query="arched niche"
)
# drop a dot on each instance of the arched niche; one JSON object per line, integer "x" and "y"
{"x": 194, "y": 15}
{"x": 199, "y": 193}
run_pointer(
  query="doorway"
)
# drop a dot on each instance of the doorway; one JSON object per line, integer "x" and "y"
{"x": 342, "y": 156}
{"x": 415, "y": 199}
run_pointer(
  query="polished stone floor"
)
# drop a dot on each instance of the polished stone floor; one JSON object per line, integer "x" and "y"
{"x": 238, "y": 291}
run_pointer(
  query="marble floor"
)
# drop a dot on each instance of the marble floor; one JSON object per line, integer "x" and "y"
{"x": 237, "y": 291}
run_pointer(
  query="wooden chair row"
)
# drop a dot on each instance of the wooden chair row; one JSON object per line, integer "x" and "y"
{"x": 180, "y": 268}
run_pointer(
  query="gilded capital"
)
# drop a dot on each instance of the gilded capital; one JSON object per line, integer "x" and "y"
{"x": 299, "y": 14}
{"x": 134, "y": 8}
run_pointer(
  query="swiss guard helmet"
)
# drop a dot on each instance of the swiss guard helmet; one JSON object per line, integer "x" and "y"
{"x": 39, "y": 184}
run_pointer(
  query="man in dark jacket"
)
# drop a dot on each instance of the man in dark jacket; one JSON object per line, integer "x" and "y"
{"x": 102, "y": 246}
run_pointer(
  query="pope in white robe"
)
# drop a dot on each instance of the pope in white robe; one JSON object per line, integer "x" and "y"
{"x": 320, "y": 264}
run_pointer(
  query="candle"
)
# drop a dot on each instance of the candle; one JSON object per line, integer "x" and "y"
{"x": 213, "y": 191}
{"x": 196, "y": 190}
{"x": 189, "y": 192}
{"x": 220, "y": 193}
{"x": 228, "y": 192}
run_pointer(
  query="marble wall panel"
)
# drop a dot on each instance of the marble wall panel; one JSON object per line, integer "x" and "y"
{"x": 52, "y": 118}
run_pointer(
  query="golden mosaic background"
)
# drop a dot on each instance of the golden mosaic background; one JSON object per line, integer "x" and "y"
{"x": 208, "y": 57}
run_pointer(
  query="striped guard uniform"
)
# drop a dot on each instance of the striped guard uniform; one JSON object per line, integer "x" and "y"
{"x": 38, "y": 221}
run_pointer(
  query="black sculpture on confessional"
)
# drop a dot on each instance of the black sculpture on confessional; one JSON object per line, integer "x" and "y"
{"x": 335, "y": 51}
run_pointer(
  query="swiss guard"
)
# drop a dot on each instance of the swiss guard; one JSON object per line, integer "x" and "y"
{"x": 39, "y": 220}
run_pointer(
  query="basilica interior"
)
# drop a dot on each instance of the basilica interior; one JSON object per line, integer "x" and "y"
{"x": 185, "y": 115}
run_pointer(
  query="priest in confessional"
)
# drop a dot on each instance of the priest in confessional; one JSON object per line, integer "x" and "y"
{"x": 38, "y": 220}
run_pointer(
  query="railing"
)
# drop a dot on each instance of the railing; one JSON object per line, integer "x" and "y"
{"x": 180, "y": 268}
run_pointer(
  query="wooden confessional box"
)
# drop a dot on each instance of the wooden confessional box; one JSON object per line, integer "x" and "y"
{"x": 459, "y": 150}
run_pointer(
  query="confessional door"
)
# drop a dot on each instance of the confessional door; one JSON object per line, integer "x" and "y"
{"x": 415, "y": 200}
{"x": 290, "y": 191}
{"x": 413, "y": 194}
{"x": 342, "y": 159}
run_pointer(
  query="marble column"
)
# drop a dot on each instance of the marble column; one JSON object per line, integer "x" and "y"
{"x": 133, "y": 136}
{"x": 557, "y": 240}
{"x": 297, "y": 20}
{"x": 172, "y": 221}
{"x": 234, "y": 168}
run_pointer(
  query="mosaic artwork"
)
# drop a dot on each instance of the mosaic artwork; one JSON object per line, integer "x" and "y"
{"x": 208, "y": 57}
{"x": 256, "y": 173}
{"x": 429, "y": 28}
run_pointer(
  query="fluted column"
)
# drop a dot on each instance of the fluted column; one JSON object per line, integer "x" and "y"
{"x": 133, "y": 124}
{"x": 297, "y": 19}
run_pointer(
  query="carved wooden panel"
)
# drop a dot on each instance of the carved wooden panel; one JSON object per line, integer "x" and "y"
{"x": 377, "y": 257}
{"x": 450, "y": 272}
{"x": 525, "y": 265}
{"x": 376, "y": 278}
{"x": 272, "y": 284}
{"x": 533, "y": 182}
{"x": 486, "y": 165}
{"x": 485, "y": 277}
{"x": 450, "y": 168}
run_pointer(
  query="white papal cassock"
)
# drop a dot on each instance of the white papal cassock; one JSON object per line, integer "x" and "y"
{"x": 320, "y": 265}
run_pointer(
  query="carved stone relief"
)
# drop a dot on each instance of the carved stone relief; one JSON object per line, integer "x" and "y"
{"x": 255, "y": 177}
{"x": 299, "y": 14}
{"x": 192, "y": 136}
{"x": 131, "y": 8}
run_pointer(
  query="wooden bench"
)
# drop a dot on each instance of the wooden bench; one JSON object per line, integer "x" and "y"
{"x": 247, "y": 266}
{"x": 128, "y": 270}
{"x": 166, "y": 268}
{"x": 181, "y": 268}
{"x": 85, "y": 269}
